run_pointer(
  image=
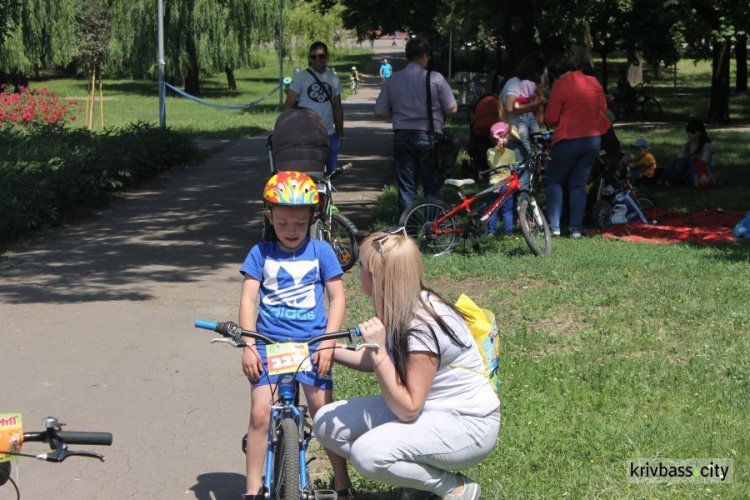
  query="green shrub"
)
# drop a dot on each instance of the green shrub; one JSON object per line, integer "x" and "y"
{"x": 51, "y": 172}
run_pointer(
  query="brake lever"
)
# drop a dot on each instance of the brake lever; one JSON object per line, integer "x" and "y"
{"x": 60, "y": 454}
{"x": 232, "y": 342}
{"x": 365, "y": 346}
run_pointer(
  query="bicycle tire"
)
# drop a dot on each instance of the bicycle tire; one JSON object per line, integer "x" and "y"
{"x": 534, "y": 226}
{"x": 646, "y": 202}
{"x": 650, "y": 108}
{"x": 342, "y": 237}
{"x": 418, "y": 218}
{"x": 601, "y": 213}
{"x": 286, "y": 479}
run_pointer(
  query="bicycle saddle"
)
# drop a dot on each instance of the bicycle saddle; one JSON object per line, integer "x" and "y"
{"x": 459, "y": 182}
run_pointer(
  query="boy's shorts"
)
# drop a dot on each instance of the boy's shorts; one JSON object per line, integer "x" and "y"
{"x": 310, "y": 378}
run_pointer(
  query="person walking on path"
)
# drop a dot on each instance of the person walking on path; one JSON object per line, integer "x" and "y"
{"x": 385, "y": 70}
{"x": 318, "y": 88}
{"x": 403, "y": 98}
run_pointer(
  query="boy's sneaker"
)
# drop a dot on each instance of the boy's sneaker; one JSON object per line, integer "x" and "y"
{"x": 575, "y": 235}
{"x": 471, "y": 491}
{"x": 555, "y": 232}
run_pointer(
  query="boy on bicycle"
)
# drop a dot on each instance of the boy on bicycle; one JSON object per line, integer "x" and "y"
{"x": 283, "y": 298}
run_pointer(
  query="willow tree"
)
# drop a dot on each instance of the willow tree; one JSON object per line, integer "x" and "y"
{"x": 307, "y": 22}
{"x": 200, "y": 36}
{"x": 41, "y": 34}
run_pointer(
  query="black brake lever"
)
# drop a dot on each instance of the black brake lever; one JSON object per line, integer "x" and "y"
{"x": 60, "y": 454}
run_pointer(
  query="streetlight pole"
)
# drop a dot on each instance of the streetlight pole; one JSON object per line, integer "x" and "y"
{"x": 162, "y": 104}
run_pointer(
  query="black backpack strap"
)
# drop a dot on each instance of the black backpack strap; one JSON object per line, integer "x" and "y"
{"x": 431, "y": 126}
{"x": 328, "y": 94}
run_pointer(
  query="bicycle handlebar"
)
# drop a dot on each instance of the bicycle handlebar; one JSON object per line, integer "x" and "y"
{"x": 235, "y": 332}
{"x": 71, "y": 437}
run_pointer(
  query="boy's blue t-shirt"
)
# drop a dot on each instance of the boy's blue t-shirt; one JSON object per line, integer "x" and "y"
{"x": 292, "y": 288}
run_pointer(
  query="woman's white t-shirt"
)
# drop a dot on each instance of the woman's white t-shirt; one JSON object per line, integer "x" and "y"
{"x": 462, "y": 387}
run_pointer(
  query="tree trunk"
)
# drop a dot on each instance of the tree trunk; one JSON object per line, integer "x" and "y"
{"x": 635, "y": 69}
{"x": 740, "y": 52}
{"x": 192, "y": 81}
{"x": 605, "y": 81}
{"x": 520, "y": 31}
{"x": 718, "y": 110}
{"x": 231, "y": 82}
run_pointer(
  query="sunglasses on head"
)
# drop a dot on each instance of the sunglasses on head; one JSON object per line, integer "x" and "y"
{"x": 388, "y": 233}
{"x": 318, "y": 56}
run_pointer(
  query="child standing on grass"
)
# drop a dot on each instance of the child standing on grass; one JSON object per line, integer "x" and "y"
{"x": 498, "y": 156}
{"x": 642, "y": 163}
{"x": 282, "y": 297}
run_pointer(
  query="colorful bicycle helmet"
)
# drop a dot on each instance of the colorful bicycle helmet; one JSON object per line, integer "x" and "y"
{"x": 291, "y": 189}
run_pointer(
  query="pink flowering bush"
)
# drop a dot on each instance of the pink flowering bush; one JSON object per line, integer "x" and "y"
{"x": 31, "y": 107}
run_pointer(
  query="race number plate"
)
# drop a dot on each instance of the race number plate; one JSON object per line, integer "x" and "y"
{"x": 11, "y": 435}
{"x": 286, "y": 357}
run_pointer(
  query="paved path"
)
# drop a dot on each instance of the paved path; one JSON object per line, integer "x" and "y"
{"x": 97, "y": 322}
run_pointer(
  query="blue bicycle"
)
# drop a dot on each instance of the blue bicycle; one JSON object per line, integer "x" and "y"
{"x": 289, "y": 432}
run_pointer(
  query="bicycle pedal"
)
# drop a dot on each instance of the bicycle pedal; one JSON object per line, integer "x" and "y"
{"x": 325, "y": 495}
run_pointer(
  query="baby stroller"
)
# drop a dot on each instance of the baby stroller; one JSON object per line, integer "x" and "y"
{"x": 612, "y": 197}
{"x": 300, "y": 142}
{"x": 481, "y": 118}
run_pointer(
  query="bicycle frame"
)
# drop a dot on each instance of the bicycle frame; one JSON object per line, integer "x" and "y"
{"x": 513, "y": 183}
{"x": 283, "y": 407}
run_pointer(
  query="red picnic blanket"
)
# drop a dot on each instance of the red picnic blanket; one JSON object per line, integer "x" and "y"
{"x": 704, "y": 226}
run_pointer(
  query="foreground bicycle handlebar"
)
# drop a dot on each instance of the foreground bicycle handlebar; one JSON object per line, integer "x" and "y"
{"x": 59, "y": 440}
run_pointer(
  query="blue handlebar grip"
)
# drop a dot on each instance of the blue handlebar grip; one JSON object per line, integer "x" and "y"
{"x": 208, "y": 325}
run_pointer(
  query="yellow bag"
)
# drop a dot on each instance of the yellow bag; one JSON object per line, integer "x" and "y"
{"x": 481, "y": 323}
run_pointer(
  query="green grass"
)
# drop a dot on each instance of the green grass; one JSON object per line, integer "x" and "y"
{"x": 129, "y": 101}
{"x": 611, "y": 350}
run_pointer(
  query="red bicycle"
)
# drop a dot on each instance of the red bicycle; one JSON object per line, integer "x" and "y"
{"x": 433, "y": 223}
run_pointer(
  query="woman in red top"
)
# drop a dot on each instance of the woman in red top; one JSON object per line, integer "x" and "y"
{"x": 576, "y": 109}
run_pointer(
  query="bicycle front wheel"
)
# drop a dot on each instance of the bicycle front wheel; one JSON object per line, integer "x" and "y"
{"x": 342, "y": 236}
{"x": 418, "y": 219}
{"x": 286, "y": 483}
{"x": 534, "y": 226}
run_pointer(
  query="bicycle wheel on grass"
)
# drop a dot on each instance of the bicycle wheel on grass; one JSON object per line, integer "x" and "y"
{"x": 646, "y": 202}
{"x": 286, "y": 483}
{"x": 534, "y": 226}
{"x": 601, "y": 214}
{"x": 651, "y": 109}
{"x": 418, "y": 219}
{"x": 342, "y": 237}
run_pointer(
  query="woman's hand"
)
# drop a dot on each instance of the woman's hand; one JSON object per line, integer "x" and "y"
{"x": 251, "y": 364}
{"x": 373, "y": 332}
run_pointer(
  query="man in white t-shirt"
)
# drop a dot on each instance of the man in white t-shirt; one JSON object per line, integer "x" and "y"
{"x": 319, "y": 89}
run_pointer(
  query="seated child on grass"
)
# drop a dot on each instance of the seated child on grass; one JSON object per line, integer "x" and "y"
{"x": 642, "y": 163}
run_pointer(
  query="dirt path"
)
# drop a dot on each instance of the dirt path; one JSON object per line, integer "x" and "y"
{"x": 97, "y": 321}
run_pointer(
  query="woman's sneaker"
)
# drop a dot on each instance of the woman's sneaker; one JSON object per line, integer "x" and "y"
{"x": 471, "y": 491}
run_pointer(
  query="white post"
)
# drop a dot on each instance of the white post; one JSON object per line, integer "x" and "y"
{"x": 281, "y": 54}
{"x": 162, "y": 104}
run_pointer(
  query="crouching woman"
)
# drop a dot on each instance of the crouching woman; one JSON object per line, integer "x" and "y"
{"x": 436, "y": 413}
